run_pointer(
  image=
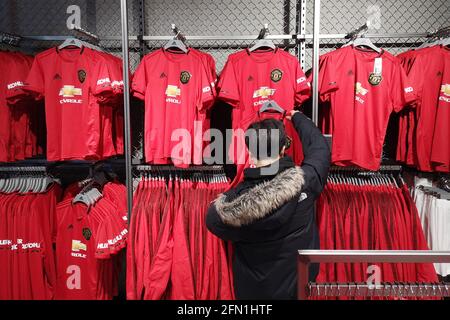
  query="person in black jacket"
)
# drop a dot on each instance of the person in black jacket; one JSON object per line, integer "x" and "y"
{"x": 271, "y": 215}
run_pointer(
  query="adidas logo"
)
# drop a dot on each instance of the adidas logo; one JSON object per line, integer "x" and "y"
{"x": 163, "y": 75}
{"x": 57, "y": 77}
{"x": 250, "y": 78}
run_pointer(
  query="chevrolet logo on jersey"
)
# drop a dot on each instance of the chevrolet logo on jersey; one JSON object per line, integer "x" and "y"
{"x": 263, "y": 92}
{"x": 445, "y": 89}
{"x": 445, "y": 93}
{"x": 359, "y": 89}
{"x": 77, "y": 245}
{"x": 173, "y": 91}
{"x": 68, "y": 92}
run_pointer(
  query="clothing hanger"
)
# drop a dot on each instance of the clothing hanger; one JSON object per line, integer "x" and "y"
{"x": 71, "y": 42}
{"x": 364, "y": 42}
{"x": 271, "y": 105}
{"x": 445, "y": 42}
{"x": 262, "y": 42}
{"x": 428, "y": 43}
{"x": 357, "y": 38}
{"x": 177, "y": 42}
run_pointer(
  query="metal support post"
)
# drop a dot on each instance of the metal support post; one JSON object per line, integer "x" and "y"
{"x": 315, "y": 84}
{"x": 126, "y": 106}
{"x": 301, "y": 31}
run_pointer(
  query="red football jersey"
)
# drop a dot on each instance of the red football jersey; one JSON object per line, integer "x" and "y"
{"x": 5, "y": 116}
{"x": 77, "y": 274}
{"x": 427, "y": 72}
{"x": 406, "y": 147}
{"x": 363, "y": 87}
{"x": 249, "y": 79}
{"x": 175, "y": 88}
{"x": 440, "y": 154}
{"x": 86, "y": 240}
{"x": 69, "y": 80}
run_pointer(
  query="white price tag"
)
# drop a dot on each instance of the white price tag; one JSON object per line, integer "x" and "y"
{"x": 378, "y": 66}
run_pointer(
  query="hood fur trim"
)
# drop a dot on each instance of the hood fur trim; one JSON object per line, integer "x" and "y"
{"x": 261, "y": 200}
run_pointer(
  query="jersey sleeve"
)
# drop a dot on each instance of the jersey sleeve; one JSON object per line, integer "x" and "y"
{"x": 302, "y": 85}
{"x": 35, "y": 80}
{"x": 108, "y": 86}
{"x": 328, "y": 81}
{"x": 415, "y": 82}
{"x": 227, "y": 85}
{"x": 139, "y": 83}
{"x": 402, "y": 92}
{"x": 16, "y": 78}
{"x": 102, "y": 80}
{"x": 207, "y": 94}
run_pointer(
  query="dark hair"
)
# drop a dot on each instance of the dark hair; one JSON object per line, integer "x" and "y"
{"x": 263, "y": 136}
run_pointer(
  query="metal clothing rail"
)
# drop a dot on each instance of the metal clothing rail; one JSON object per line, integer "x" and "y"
{"x": 173, "y": 168}
{"x": 338, "y": 169}
{"x": 23, "y": 169}
{"x": 236, "y": 37}
{"x": 382, "y": 290}
{"x": 9, "y": 39}
{"x": 86, "y": 34}
{"x": 306, "y": 257}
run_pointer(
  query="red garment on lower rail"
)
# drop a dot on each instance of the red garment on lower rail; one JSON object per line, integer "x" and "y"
{"x": 367, "y": 217}
{"x": 171, "y": 254}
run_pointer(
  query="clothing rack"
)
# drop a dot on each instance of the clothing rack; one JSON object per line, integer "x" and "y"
{"x": 436, "y": 192}
{"x": 10, "y": 39}
{"x": 177, "y": 33}
{"x": 82, "y": 33}
{"x": 309, "y": 289}
{"x": 444, "y": 183}
{"x": 383, "y": 168}
{"x": 383, "y": 290}
{"x": 20, "y": 169}
{"x": 357, "y": 32}
{"x": 440, "y": 33}
{"x": 264, "y": 32}
{"x": 161, "y": 168}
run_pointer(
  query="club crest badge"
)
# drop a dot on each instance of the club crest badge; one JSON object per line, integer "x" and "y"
{"x": 185, "y": 77}
{"x": 87, "y": 234}
{"x": 276, "y": 75}
{"x": 81, "y": 75}
{"x": 375, "y": 79}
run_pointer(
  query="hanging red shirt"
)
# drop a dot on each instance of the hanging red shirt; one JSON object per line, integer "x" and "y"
{"x": 440, "y": 154}
{"x": 68, "y": 79}
{"x": 364, "y": 87}
{"x": 427, "y": 73}
{"x": 175, "y": 87}
{"x": 249, "y": 79}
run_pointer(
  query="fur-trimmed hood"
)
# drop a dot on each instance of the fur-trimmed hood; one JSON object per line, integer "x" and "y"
{"x": 261, "y": 200}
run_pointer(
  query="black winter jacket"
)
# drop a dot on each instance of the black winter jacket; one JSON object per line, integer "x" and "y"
{"x": 270, "y": 217}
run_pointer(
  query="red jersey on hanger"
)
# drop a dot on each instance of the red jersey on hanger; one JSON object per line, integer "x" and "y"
{"x": 363, "y": 87}
{"x": 175, "y": 87}
{"x": 427, "y": 72}
{"x": 440, "y": 154}
{"x": 249, "y": 79}
{"x": 69, "y": 81}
